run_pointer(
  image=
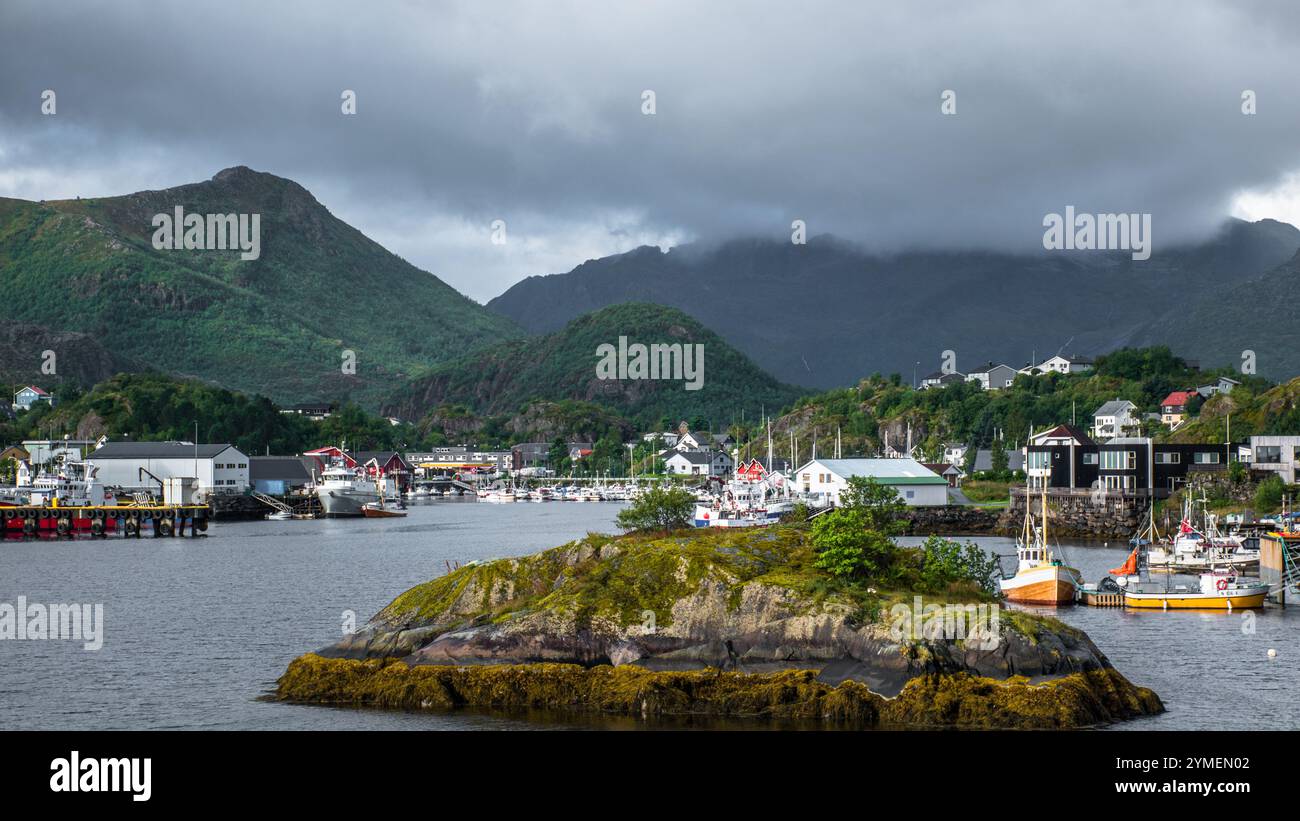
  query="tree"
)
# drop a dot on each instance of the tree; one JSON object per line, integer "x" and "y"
{"x": 968, "y": 459}
{"x": 945, "y": 562}
{"x": 1268, "y": 496}
{"x": 998, "y": 458}
{"x": 558, "y": 456}
{"x": 659, "y": 508}
{"x": 846, "y": 546}
{"x": 880, "y": 506}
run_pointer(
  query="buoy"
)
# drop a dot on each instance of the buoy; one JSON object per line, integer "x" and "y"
{"x": 1272, "y": 653}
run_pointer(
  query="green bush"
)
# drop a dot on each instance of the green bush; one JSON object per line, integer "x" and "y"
{"x": 945, "y": 563}
{"x": 846, "y": 546}
{"x": 1268, "y": 496}
{"x": 659, "y": 508}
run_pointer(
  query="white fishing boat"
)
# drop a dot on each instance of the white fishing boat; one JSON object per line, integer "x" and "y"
{"x": 344, "y": 491}
{"x": 1199, "y": 545}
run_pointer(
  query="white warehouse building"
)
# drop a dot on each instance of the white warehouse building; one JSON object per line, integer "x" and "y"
{"x": 219, "y": 468}
{"x": 916, "y": 484}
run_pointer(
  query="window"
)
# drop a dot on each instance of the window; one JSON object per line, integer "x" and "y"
{"x": 1168, "y": 458}
{"x": 1120, "y": 482}
{"x": 1090, "y": 458}
{"x": 1118, "y": 460}
{"x": 1207, "y": 457}
{"x": 911, "y": 494}
{"x": 1038, "y": 459}
{"x": 1268, "y": 454}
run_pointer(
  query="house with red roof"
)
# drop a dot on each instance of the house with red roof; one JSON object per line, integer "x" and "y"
{"x": 1173, "y": 408}
{"x": 30, "y": 395}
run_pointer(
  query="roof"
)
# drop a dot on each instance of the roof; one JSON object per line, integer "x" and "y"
{"x": 939, "y": 467}
{"x": 988, "y": 366}
{"x": 383, "y": 457}
{"x": 32, "y": 388}
{"x": 1066, "y": 432}
{"x": 156, "y": 450}
{"x": 1113, "y": 407}
{"x": 696, "y": 457}
{"x": 288, "y": 468}
{"x": 885, "y": 471}
{"x": 1177, "y": 398}
{"x": 984, "y": 460}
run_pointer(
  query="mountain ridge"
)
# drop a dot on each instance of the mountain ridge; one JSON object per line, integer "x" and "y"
{"x": 826, "y": 313}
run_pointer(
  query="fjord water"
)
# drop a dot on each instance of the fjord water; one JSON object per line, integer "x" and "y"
{"x": 196, "y": 631}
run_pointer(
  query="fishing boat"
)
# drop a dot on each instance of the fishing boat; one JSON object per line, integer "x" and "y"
{"x": 377, "y": 510}
{"x": 1040, "y": 577}
{"x": 1199, "y": 545}
{"x": 344, "y": 492}
{"x": 1217, "y": 589}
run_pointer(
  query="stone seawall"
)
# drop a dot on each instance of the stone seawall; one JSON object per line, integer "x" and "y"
{"x": 1078, "y": 516}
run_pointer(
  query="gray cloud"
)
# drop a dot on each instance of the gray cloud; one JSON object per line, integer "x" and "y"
{"x": 767, "y": 112}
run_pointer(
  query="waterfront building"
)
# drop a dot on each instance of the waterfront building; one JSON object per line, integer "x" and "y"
{"x": 219, "y": 468}
{"x": 698, "y": 463}
{"x": 917, "y": 486}
{"x": 278, "y": 475}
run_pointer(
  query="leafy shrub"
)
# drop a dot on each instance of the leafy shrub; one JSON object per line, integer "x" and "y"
{"x": 659, "y": 508}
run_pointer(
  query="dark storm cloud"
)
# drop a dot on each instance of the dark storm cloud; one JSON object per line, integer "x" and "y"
{"x": 531, "y": 113}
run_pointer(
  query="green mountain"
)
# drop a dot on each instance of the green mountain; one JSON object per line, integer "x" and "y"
{"x": 1255, "y": 315}
{"x": 562, "y": 367}
{"x": 825, "y": 313}
{"x": 278, "y": 325}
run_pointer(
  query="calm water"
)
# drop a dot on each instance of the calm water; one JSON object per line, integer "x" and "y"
{"x": 196, "y": 631}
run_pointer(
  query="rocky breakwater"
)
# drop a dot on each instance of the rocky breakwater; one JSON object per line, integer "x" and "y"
{"x": 718, "y": 623}
{"x": 1087, "y": 515}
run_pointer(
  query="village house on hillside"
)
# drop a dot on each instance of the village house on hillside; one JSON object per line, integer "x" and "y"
{"x": 992, "y": 376}
{"x": 1119, "y": 417}
{"x": 30, "y": 395}
{"x": 698, "y": 463}
{"x": 1059, "y": 364}
{"x": 939, "y": 379}
{"x": 1173, "y": 408}
{"x": 1225, "y": 384}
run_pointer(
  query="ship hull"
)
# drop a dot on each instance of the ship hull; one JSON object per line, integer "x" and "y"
{"x": 339, "y": 503}
{"x": 1042, "y": 585}
{"x": 1161, "y": 601}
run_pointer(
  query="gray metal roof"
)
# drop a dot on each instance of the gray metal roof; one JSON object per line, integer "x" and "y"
{"x": 156, "y": 450}
{"x": 1112, "y": 408}
{"x": 288, "y": 468}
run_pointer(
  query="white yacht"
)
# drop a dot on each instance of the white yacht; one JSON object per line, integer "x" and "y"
{"x": 344, "y": 491}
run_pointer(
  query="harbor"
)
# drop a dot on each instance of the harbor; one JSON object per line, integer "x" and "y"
{"x": 228, "y": 614}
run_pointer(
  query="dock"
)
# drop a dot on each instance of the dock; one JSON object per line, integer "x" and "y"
{"x": 33, "y": 521}
{"x": 1101, "y": 598}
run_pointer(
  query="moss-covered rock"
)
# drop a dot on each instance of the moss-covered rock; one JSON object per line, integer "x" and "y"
{"x": 958, "y": 700}
{"x": 737, "y": 601}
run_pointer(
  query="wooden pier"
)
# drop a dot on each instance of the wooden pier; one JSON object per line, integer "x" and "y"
{"x": 1101, "y": 598}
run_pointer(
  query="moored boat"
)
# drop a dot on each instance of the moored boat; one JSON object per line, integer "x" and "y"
{"x": 1040, "y": 577}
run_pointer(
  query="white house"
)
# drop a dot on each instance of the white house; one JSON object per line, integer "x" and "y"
{"x": 1062, "y": 364}
{"x": 954, "y": 453}
{"x": 219, "y": 468}
{"x": 1118, "y": 417}
{"x": 30, "y": 395}
{"x": 992, "y": 376}
{"x": 916, "y": 485}
{"x": 698, "y": 463}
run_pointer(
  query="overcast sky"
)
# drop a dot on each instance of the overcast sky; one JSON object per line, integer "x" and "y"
{"x": 531, "y": 112}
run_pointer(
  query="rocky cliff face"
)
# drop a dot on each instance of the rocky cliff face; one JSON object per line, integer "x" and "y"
{"x": 740, "y": 602}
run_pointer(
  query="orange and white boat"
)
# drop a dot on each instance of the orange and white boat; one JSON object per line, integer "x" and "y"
{"x": 1040, "y": 577}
